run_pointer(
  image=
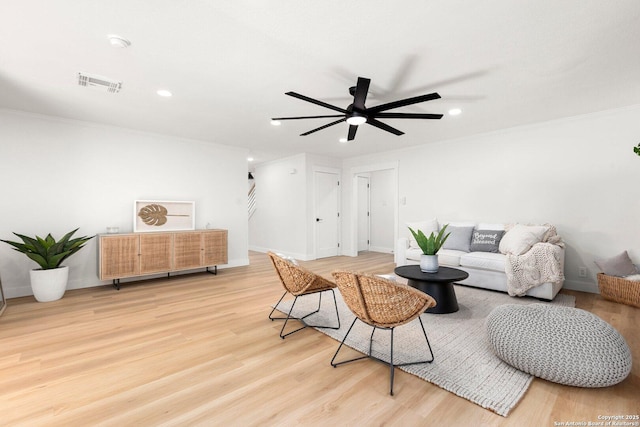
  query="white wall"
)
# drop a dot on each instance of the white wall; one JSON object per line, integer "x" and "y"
{"x": 280, "y": 220}
{"x": 58, "y": 174}
{"x": 284, "y": 218}
{"x": 579, "y": 174}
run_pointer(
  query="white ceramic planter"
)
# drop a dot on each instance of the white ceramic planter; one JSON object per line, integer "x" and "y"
{"x": 429, "y": 263}
{"x": 49, "y": 285}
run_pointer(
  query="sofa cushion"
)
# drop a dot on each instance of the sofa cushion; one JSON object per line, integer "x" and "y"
{"x": 484, "y": 260}
{"x": 520, "y": 238}
{"x": 413, "y": 254}
{"x": 459, "y": 239}
{"x": 619, "y": 265}
{"x": 486, "y": 240}
{"x": 449, "y": 257}
{"x": 427, "y": 227}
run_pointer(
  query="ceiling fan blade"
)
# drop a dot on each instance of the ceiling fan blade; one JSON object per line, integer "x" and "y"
{"x": 315, "y": 101}
{"x": 383, "y": 126}
{"x": 307, "y": 117}
{"x": 360, "y": 96}
{"x": 324, "y": 127}
{"x": 403, "y": 102}
{"x": 352, "y": 132}
{"x": 407, "y": 116}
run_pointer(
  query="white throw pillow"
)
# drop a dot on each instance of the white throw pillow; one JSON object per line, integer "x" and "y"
{"x": 520, "y": 238}
{"x": 459, "y": 223}
{"x": 619, "y": 265}
{"x": 427, "y": 227}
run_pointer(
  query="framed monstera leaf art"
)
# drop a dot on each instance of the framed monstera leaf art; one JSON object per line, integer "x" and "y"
{"x": 157, "y": 215}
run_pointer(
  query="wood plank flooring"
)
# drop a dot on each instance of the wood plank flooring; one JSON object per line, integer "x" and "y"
{"x": 199, "y": 350}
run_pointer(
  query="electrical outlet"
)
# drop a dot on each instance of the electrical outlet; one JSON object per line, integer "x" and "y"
{"x": 582, "y": 272}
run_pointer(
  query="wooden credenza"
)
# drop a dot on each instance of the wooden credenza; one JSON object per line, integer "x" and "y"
{"x": 137, "y": 254}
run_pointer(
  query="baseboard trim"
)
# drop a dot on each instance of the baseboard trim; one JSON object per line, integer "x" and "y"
{"x": 380, "y": 249}
{"x": 575, "y": 285}
{"x": 299, "y": 256}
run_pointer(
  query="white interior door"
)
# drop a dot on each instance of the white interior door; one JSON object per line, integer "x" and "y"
{"x": 363, "y": 213}
{"x": 327, "y": 214}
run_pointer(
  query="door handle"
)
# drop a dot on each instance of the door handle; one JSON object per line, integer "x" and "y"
{"x": 318, "y": 219}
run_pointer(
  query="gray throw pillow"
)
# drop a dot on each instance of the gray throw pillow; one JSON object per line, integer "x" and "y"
{"x": 486, "y": 240}
{"x": 619, "y": 265}
{"x": 459, "y": 239}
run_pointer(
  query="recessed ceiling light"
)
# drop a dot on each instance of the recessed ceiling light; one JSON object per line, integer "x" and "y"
{"x": 276, "y": 122}
{"x": 117, "y": 41}
{"x": 250, "y": 159}
{"x": 455, "y": 111}
{"x": 164, "y": 92}
{"x": 343, "y": 140}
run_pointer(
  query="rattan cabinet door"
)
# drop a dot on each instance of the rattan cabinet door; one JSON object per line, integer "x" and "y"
{"x": 214, "y": 243}
{"x": 187, "y": 250}
{"x": 118, "y": 256}
{"x": 156, "y": 253}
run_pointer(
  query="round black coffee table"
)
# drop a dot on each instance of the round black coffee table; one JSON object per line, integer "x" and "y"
{"x": 439, "y": 285}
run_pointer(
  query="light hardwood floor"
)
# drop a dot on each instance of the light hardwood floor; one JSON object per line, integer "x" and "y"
{"x": 199, "y": 350}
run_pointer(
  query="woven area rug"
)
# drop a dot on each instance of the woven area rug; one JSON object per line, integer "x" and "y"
{"x": 464, "y": 363}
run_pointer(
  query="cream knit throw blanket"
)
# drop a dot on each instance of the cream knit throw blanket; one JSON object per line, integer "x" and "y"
{"x": 540, "y": 264}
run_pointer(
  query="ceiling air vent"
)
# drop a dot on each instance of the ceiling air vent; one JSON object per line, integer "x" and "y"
{"x": 98, "y": 82}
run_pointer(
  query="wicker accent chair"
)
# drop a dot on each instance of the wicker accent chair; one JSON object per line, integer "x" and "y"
{"x": 298, "y": 282}
{"x": 382, "y": 304}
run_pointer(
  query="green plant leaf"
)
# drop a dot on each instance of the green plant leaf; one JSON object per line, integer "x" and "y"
{"x": 47, "y": 252}
{"x": 42, "y": 261}
{"x": 432, "y": 244}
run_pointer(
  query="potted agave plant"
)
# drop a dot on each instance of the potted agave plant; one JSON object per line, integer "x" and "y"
{"x": 430, "y": 247}
{"x": 49, "y": 282}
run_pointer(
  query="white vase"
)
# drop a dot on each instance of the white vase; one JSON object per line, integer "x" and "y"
{"x": 49, "y": 285}
{"x": 429, "y": 263}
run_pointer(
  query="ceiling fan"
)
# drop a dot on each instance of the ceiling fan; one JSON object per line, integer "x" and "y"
{"x": 357, "y": 114}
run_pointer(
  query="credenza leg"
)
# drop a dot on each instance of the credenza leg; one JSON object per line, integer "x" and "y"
{"x": 116, "y": 283}
{"x": 215, "y": 270}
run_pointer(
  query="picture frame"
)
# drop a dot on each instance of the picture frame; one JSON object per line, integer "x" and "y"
{"x": 163, "y": 215}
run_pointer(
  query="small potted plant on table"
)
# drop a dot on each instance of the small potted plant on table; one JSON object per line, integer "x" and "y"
{"x": 430, "y": 247}
{"x": 49, "y": 282}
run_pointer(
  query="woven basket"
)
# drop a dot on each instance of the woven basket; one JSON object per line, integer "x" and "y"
{"x": 619, "y": 289}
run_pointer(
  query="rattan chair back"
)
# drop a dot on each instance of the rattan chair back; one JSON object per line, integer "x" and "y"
{"x": 381, "y": 302}
{"x": 298, "y": 280}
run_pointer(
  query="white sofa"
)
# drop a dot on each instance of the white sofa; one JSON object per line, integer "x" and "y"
{"x": 486, "y": 269}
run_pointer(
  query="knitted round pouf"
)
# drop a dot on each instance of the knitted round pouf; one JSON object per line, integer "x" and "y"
{"x": 560, "y": 344}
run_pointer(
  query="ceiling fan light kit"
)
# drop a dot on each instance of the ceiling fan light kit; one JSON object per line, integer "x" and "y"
{"x": 357, "y": 113}
{"x": 356, "y": 119}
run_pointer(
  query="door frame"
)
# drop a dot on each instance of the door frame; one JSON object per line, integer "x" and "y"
{"x": 353, "y": 173}
{"x": 312, "y": 217}
{"x": 357, "y": 194}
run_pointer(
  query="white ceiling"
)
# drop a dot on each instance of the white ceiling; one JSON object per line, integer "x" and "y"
{"x": 228, "y": 64}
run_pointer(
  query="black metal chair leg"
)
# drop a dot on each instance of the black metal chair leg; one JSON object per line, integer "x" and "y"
{"x": 335, "y": 303}
{"x": 302, "y": 319}
{"x": 275, "y": 307}
{"x": 287, "y": 319}
{"x": 391, "y": 363}
{"x": 391, "y": 366}
{"x": 425, "y": 337}
{"x": 371, "y": 340}
{"x": 340, "y": 346}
